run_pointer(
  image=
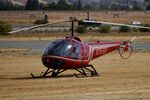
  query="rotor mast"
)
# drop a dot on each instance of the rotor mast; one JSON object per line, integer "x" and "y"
{"x": 72, "y": 29}
{"x": 72, "y": 20}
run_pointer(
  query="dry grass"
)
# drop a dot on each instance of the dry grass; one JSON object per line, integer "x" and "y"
{"x": 119, "y": 79}
{"x": 12, "y": 50}
{"x": 28, "y": 17}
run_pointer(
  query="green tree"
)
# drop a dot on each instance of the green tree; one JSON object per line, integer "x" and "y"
{"x": 148, "y": 1}
{"x": 28, "y": 5}
{"x": 4, "y": 28}
{"x": 135, "y": 6}
{"x": 63, "y": 5}
{"x": 104, "y": 4}
{"x": 52, "y": 6}
{"x": 6, "y": 5}
{"x": 81, "y": 29}
{"x": 32, "y": 5}
{"x": 148, "y": 7}
{"x": 105, "y": 29}
{"x": 124, "y": 29}
{"x": 143, "y": 29}
{"x": 79, "y": 5}
{"x": 87, "y": 7}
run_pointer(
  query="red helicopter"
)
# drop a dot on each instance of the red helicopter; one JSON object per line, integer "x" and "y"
{"x": 71, "y": 53}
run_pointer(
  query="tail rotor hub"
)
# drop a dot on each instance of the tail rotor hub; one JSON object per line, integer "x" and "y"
{"x": 125, "y": 50}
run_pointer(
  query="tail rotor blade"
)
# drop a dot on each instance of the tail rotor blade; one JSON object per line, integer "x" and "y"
{"x": 133, "y": 39}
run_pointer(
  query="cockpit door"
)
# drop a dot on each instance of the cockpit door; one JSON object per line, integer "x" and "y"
{"x": 76, "y": 51}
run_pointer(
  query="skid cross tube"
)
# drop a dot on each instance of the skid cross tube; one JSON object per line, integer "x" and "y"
{"x": 92, "y": 68}
{"x": 53, "y": 73}
{"x": 46, "y": 72}
{"x": 82, "y": 71}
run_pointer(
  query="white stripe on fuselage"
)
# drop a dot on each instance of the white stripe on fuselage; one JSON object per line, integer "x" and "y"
{"x": 102, "y": 46}
{"x": 90, "y": 54}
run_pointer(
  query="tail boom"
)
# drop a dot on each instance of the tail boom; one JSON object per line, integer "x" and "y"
{"x": 103, "y": 48}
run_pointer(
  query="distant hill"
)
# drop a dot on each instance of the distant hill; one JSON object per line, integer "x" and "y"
{"x": 19, "y": 1}
{"x": 92, "y": 3}
{"x": 23, "y": 2}
{"x": 83, "y": 1}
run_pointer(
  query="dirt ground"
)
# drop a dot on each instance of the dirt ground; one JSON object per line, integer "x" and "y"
{"x": 118, "y": 79}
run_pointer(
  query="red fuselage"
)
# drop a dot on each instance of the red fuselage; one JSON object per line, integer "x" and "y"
{"x": 70, "y": 53}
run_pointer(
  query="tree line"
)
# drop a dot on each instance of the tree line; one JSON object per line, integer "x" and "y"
{"x": 60, "y": 5}
{"x": 6, "y": 5}
{"x": 35, "y": 5}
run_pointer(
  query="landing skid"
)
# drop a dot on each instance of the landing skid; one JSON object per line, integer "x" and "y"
{"x": 88, "y": 71}
{"x": 83, "y": 72}
{"x": 52, "y": 72}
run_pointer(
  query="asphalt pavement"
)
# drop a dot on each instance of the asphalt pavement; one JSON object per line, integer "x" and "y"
{"x": 41, "y": 44}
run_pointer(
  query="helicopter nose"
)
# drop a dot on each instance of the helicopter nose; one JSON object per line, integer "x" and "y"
{"x": 57, "y": 63}
{"x": 52, "y": 62}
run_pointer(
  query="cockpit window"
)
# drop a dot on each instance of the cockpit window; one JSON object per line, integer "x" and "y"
{"x": 59, "y": 48}
{"x": 75, "y": 52}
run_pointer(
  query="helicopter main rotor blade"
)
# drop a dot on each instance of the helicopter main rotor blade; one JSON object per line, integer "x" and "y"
{"x": 37, "y": 26}
{"x": 118, "y": 24}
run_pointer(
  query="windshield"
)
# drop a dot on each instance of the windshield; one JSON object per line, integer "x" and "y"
{"x": 58, "y": 48}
